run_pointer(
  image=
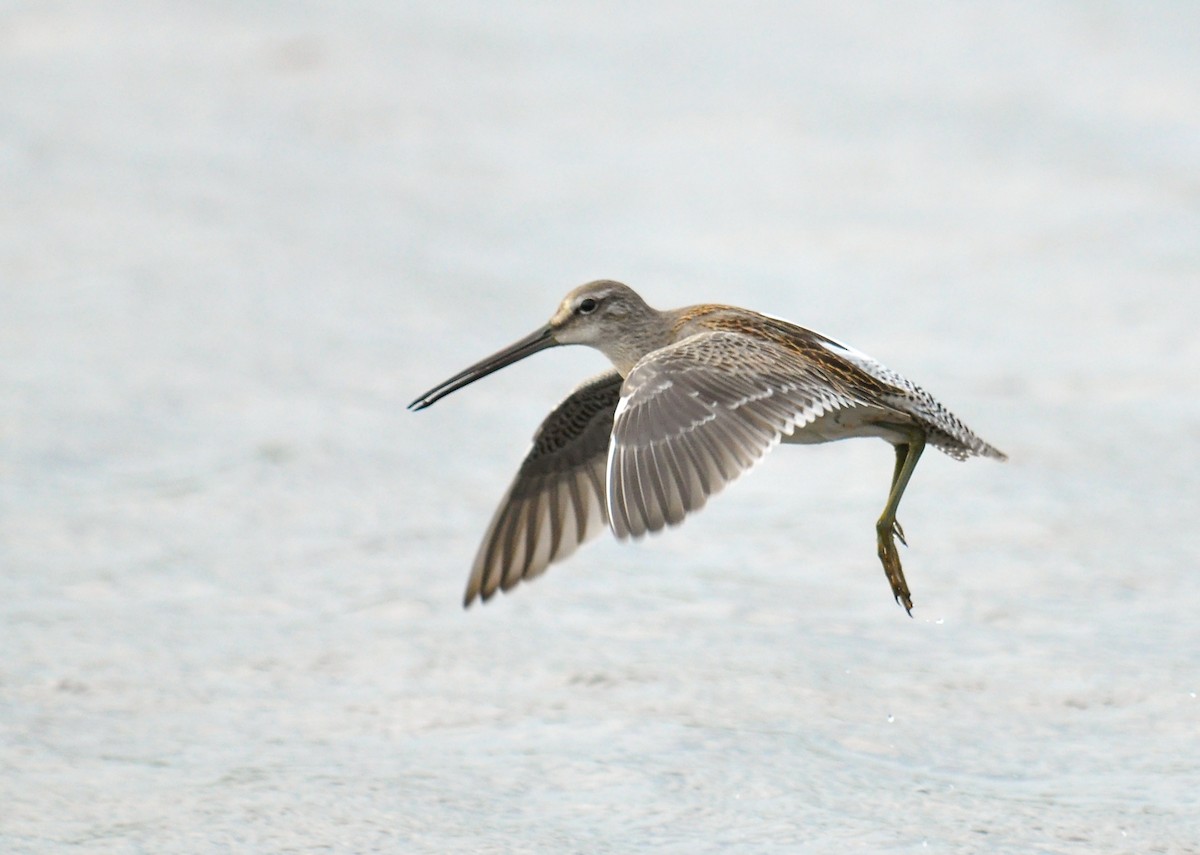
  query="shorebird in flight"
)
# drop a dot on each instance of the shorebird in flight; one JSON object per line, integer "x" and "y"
{"x": 696, "y": 397}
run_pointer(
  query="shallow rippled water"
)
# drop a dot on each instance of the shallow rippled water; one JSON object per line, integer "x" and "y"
{"x": 237, "y": 240}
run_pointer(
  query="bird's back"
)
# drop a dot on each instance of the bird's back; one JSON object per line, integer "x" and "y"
{"x": 881, "y": 393}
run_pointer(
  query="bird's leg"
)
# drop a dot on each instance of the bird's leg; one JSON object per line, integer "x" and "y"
{"x": 887, "y": 529}
{"x": 901, "y": 454}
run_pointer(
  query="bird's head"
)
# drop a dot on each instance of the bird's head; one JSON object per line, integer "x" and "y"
{"x": 600, "y": 314}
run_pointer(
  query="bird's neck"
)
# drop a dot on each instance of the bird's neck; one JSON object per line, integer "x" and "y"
{"x": 643, "y": 334}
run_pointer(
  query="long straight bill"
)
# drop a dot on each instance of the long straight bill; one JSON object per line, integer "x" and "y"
{"x": 539, "y": 340}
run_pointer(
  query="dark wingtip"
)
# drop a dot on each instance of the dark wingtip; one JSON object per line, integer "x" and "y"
{"x": 419, "y": 404}
{"x": 475, "y": 595}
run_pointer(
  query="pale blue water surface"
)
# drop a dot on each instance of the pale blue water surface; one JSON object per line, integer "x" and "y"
{"x": 236, "y": 239}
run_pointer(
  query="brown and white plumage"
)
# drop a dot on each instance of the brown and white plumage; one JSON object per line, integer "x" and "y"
{"x": 556, "y": 502}
{"x": 699, "y": 396}
{"x": 696, "y": 414}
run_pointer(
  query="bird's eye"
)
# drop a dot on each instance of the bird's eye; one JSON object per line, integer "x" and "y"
{"x": 587, "y": 305}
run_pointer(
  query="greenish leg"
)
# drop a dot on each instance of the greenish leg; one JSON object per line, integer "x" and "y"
{"x": 901, "y": 453}
{"x": 887, "y": 529}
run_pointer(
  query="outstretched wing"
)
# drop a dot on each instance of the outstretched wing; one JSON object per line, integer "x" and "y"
{"x": 556, "y": 502}
{"x": 697, "y": 414}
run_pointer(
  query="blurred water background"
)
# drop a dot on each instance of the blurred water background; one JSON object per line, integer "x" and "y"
{"x": 237, "y": 238}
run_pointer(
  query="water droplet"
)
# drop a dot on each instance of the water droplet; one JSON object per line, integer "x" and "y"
{"x": 891, "y": 718}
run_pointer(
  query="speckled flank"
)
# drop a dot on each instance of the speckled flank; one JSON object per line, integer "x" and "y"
{"x": 698, "y": 396}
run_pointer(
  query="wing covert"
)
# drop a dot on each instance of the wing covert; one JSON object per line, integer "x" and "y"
{"x": 695, "y": 415}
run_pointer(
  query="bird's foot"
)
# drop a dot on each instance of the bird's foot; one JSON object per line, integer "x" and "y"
{"x": 886, "y": 532}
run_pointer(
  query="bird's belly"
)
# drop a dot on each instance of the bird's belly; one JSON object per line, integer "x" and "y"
{"x": 847, "y": 423}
